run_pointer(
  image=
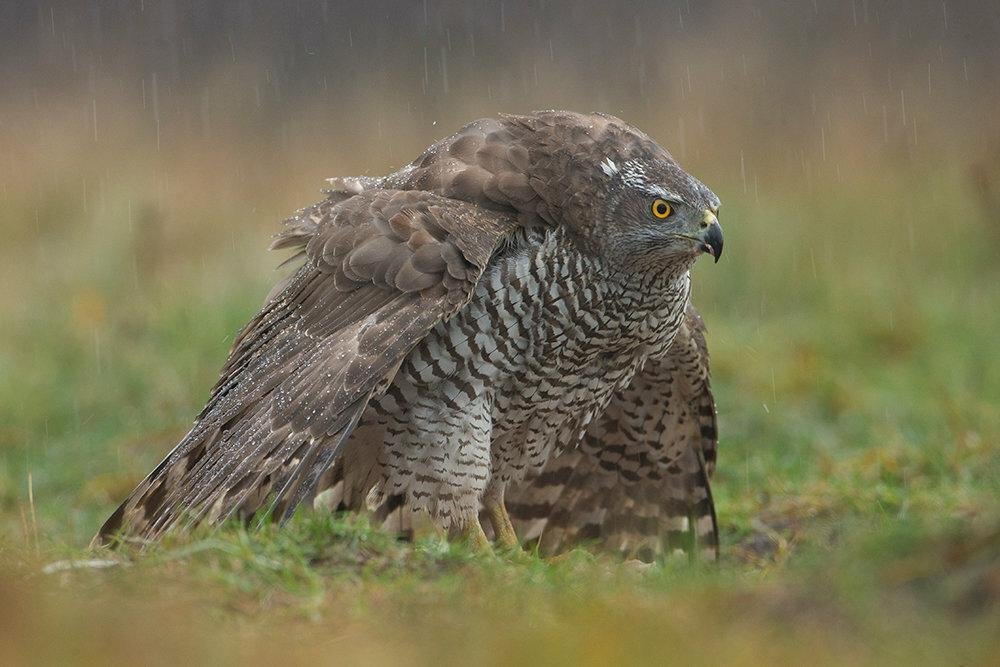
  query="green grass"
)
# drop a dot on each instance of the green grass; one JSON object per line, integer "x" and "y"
{"x": 853, "y": 334}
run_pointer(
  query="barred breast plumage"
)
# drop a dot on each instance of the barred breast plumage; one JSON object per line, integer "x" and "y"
{"x": 521, "y": 370}
{"x": 494, "y": 316}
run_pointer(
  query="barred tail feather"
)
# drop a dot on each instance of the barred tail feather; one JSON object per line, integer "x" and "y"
{"x": 645, "y": 519}
{"x": 638, "y": 484}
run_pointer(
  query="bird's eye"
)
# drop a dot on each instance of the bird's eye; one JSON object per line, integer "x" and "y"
{"x": 661, "y": 209}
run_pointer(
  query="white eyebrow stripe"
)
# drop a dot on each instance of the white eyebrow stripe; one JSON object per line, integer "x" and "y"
{"x": 633, "y": 174}
{"x": 609, "y": 167}
{"x": 662, "y": 192}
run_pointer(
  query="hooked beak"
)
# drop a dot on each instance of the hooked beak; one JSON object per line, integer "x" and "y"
{"x": 711, "y": 235}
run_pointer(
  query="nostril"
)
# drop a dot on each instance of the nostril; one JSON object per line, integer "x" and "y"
{"x": 704, "y": 224}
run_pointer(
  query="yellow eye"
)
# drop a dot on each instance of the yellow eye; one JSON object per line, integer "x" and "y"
{"x": 661, "y": 209}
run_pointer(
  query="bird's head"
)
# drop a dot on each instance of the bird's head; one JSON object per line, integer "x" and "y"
{"x": 652, "y": 213}
{"x": 620, "y": 192}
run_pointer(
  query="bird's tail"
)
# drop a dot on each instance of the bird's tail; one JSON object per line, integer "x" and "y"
{"x": 575, "y": 502}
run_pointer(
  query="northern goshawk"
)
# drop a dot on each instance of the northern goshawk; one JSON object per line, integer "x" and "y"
{"x": 503, "y": 323}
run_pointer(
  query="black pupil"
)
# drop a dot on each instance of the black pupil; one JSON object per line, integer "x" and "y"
{"x": 661, "y": 208}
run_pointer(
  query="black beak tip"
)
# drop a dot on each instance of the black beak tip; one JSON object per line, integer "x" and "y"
{"x": 713, "y": 242}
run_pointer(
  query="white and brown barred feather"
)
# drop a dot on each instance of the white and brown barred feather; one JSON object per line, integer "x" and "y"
{"x": 382, "y": 268}
{"x": 639, "y": 482}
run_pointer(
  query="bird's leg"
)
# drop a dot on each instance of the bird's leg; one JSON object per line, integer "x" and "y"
{"x": 502, "y": 526}
{"x": 422, "y": 525}
{"x": 503, "y": 529}
{"x": 473, "y": 533}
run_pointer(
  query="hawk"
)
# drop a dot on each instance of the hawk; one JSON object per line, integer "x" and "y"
{"x": 498, "y": 332}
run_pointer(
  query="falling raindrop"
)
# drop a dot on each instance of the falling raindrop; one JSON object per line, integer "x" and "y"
{"x": 426, "y": 71}
{"x": 444, "y": 70}
{"x": 743, "y": 171}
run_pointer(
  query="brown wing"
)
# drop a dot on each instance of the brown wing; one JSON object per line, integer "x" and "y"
{"x": 639, "y": 482}
{"x": 382, "y": 268}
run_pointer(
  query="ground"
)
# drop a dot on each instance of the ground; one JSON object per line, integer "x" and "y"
{"x": 853, "y": 331}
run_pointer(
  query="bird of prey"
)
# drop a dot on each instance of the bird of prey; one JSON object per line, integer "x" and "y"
{"x": 503, "y": 322}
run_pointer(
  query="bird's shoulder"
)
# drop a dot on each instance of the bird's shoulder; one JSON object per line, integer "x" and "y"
{"x": 411, "y": 241}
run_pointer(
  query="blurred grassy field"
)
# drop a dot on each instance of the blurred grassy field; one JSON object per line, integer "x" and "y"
{"x": 854, "y": 352}
{"x": 852, "y": 322}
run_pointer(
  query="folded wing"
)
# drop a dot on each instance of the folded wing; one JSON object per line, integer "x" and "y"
{"x": 381, "y": 269}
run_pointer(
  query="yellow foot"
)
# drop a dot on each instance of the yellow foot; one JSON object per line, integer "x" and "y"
{"x": 476, "y": 538}
{"x": 503, "y": 529}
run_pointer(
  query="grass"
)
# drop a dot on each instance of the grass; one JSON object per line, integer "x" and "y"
{"x": 853, "y": 333}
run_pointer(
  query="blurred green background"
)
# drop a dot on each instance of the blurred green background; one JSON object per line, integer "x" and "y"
{"x": 148, "y": 149}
